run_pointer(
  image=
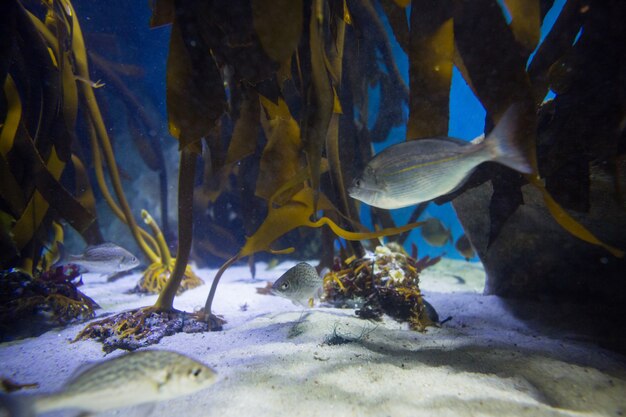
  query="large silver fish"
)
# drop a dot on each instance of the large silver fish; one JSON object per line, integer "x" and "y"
{"x": 421, "y": 170}
{"x": 132, "y": 379}
{"x": 301, "y": 284}
{"x": 106, "y": 258}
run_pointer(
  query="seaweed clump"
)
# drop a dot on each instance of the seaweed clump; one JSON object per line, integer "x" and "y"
{"x": 143, "y": 327}
{"x": 385, "y": 283}
{"x": 51, "y": 299}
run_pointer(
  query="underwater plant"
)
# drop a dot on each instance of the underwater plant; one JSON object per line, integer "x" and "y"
{"x": 259, "y": 92}
{"x": 385, "y": 283}
{"x": 46, "y": 81}
{"x": 271, "y": 126}
{"x": 49, "y": 300}
{"x": 37, "y": 126}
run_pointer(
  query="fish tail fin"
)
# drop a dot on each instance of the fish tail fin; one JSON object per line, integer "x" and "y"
{"x": 501, "y": 143}
{"x": 61, "y": 255}
{"x": 16, "y": 406}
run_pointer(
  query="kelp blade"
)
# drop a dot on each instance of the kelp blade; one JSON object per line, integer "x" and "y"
{"x": 568, "y": 223}
{"x": 296, "y": 213}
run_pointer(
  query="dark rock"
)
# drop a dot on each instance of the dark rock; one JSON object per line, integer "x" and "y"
{"x": 534, "y": 257}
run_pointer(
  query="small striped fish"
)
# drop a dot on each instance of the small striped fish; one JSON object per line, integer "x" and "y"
{"x": 300, "y": 284}
{"x": 106, "y": 258}
{"x": 132, "y": 379}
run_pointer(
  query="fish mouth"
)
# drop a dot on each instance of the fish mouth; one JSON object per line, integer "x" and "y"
{"x": 365, "y": 195}
{"x": 274, "y": 291}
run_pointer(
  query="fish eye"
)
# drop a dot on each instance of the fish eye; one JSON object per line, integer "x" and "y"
{"x": 195, "y": 372}
{"x": 285, "y": 285}
{"x": 357, "y": 183}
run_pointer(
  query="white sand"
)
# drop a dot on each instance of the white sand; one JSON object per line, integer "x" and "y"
{"x": 483, "y": 362}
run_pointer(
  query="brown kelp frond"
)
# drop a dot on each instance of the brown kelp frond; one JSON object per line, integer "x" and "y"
{"x": 39, "y": 119}
{"x": 430, "y": 68}
{"x": 298, "y": 212}
{"x": 280, "y": 160}
{"x": 195, "y": 99}
{"x": 319, "y": 94}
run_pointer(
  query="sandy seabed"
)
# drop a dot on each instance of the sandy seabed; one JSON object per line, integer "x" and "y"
{"x": 274, "y": 359}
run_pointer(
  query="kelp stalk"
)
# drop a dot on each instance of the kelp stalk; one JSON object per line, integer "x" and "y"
{"x": 216, "y": 280}
{"x": 80, "y": 56}
{"x": 152, "y": 153}
{"x": 166, "y": 257}
{"x": 97, "y": 162}
{"x": 186, "y": 178}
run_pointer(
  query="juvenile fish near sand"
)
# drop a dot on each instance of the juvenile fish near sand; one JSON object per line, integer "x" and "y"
{"x": 132, "y": 379}
{"x": 107, "y": 258}
{"x": 421, "y": 170}
{"x": 465, "y": 248}
{"x": 435, "y": 233}
{"x": 300, "y": 284}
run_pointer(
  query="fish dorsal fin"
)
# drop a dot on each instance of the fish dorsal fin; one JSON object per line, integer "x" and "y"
{"x": 104, "y": 249}
{"x": 100, "y": 246}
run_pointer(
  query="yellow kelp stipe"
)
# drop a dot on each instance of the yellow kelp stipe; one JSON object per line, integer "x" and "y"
{"x": 567, "y": 222}
{"x": 297, "y": 212}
